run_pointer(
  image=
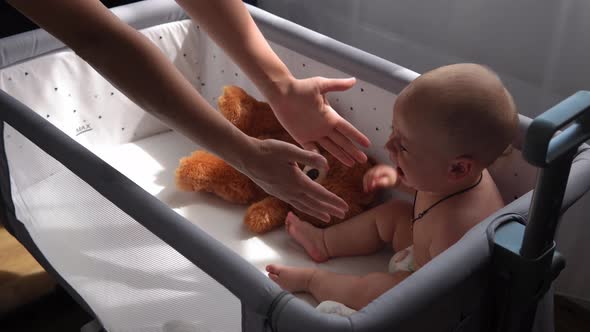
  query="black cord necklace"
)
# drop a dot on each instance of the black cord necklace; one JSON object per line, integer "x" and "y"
{"x": 421, "y": 214}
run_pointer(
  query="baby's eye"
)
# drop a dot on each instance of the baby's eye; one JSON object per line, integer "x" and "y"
{"x": 403, "y": 148}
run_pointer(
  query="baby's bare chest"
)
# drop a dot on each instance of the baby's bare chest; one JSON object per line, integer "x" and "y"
{"x": 435, "y": 230}
{"x": 423, "y": 234}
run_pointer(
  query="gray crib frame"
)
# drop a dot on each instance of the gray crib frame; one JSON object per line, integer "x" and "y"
{"x": 457, "y": 291}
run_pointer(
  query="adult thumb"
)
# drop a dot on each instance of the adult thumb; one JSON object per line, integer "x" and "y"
{"x": 308, "y": 158}
{"x": 336, "y": 84}
{"x": 310, "y": 146}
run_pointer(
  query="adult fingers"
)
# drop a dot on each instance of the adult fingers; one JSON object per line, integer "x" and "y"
{"x": 335, "y": 84}
{"x": 336, "y": 151}
{"x": 308, "y": 158}
{"x": 322, "y": 206}
{"x": 319, "y": 193}
{"x": 310, "y": 211}
{"x": 310, "y": 146}
{"x": 348, "y": 147}
{"x": 348, "y": 130}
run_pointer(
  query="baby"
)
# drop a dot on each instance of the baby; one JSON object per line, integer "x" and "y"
{"x": 449, "y": 125}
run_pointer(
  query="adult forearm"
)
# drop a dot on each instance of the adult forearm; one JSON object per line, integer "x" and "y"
{"x": 230, "y": 25}
{"x": 138, "y": 68}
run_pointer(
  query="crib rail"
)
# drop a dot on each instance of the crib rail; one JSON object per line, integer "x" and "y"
{"x": 554, "y": 156}
{"x": 527, "y": 254}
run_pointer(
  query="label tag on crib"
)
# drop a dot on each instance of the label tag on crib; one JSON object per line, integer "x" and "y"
{"x": 83, "y": 129}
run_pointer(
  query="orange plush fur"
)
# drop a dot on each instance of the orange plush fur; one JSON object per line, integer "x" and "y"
{"x": 202, "y": 171}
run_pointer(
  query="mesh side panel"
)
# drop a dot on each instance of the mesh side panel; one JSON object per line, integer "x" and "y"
{"x": 130, "y": 278}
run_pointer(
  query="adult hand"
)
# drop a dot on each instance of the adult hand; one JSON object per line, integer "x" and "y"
{"x": 302, "y": 108}
{"x": 272, "y": 165}
{"x": 300, "y": 105}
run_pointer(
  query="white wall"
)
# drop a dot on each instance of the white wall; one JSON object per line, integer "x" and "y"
{"x": 541, "y": 49}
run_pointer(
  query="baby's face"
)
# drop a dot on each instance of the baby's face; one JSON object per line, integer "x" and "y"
{"x": 412, "y": 148}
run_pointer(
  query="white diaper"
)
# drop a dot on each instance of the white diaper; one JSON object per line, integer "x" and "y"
{"x": 401, "y": 261}
{"x": 335, "y": 308}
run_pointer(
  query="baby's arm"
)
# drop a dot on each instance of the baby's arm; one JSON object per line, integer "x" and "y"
{"x": 384, "y": 176}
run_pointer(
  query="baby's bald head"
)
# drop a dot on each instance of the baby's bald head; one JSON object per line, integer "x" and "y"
{"x": 465, "y": 108}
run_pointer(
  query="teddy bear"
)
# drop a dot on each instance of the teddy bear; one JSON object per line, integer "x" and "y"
{"x": 205, "y": 172}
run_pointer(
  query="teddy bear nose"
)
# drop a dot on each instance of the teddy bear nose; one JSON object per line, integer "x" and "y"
{"x": 313, "y": 173}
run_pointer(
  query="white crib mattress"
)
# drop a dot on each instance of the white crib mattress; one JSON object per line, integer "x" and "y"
{"x": 151, "y": 163}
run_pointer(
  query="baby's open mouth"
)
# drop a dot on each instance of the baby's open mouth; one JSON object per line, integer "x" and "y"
{"x": 400, "y": 172}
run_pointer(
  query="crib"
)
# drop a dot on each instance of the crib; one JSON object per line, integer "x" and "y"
{"x": 88, "y": 187}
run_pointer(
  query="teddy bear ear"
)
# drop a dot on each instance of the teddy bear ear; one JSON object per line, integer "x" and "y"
{"x": 230, "y": 100}
{"x": 235, "y": 104}
{"x": 253, "y": 117}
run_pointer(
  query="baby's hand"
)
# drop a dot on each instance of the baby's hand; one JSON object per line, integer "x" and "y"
{"x": 380, "y": 176}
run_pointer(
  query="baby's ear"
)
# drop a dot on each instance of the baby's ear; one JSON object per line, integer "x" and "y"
{"x": 460, "y": 167}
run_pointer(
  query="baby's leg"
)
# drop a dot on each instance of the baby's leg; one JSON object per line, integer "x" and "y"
{"x": 352, "y": 291}
{"x": 361, "y": 235}
{"x": 292, "y": 279}
{"x": 367, "y": 232}
{"x": 311, "y": 238}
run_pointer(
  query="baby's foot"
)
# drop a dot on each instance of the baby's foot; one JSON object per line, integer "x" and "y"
{"x": 308, "y": 236}
{"x": 292, "y": 279}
